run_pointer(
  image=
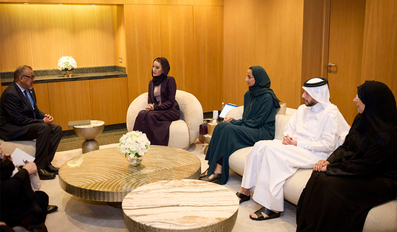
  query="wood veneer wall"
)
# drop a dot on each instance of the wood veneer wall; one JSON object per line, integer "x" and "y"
{"x": 38, "y": 35}
{"x": 266, "y": 33}
{"x": 189, "y": 34}
{"x": 380, "y": 43}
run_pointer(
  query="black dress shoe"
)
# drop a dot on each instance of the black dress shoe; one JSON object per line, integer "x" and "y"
{"x": 51, "y": 168}
{"x": 51, "y": 208}
{"x": 215, "y": 178}
{"x": 45, "y": 175}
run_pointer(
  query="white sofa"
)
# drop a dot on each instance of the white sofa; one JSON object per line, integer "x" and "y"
{"x": 184, "y": 131}
{"x": 28, "y": 146}
{"x": 380, "y": 218}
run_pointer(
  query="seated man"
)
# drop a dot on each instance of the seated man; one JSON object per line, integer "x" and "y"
{"x": 20, "y": 205}
{"x": 312, "y": 134}
{"x": 20, "y": 119}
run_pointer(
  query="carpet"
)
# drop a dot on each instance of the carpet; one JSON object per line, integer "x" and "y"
{"x": 76, "y": 214}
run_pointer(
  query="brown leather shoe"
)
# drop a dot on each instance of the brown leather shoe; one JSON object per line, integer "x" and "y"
{"x": 45, "y": 175}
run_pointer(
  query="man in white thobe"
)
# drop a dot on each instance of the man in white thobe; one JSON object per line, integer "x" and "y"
{"x": 313, "y": 132}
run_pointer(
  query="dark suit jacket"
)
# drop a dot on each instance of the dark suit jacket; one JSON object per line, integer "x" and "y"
{"x": 16, "y": 112}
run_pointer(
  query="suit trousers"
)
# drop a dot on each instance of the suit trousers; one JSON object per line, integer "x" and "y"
{"x": 47, "y": 140}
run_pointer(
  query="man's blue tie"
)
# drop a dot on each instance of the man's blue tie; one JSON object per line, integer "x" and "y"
{"x": 29, "y": 97}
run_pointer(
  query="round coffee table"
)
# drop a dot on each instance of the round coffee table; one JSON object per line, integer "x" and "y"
{"x": 180, "y": 205}
{"x": 105, "y": 175}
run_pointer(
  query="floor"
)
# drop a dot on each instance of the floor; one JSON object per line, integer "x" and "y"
{"x": 77, "y": 215}
{"x": 111, "y": 134}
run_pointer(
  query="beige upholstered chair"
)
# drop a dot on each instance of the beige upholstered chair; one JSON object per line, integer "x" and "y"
{"x": 184, "y": 131}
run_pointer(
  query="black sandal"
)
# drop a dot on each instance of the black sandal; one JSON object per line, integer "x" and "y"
{"x": 215, "y": 178}
{"x": 204, "y": 174}
{"x": 268, "y": 212}
{"x": 242, "y": 197}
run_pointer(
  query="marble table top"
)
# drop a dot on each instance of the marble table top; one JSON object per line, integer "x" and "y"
{"x": 105, "y": 175}
{"x": 180, "y": 205}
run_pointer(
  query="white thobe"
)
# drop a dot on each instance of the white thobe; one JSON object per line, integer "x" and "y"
{"x": 268, "y": 164}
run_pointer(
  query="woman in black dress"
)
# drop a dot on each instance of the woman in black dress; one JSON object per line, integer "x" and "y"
{"x": 358, "y": 175}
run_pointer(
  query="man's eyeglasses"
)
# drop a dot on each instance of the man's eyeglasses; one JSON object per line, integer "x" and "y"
{"x": 31, "y": 77}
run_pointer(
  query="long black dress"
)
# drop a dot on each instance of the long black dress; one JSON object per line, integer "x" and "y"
{"x": 156, "y": 123}
{"x": 362, "y": 172}
{"x": 258, "y": 123}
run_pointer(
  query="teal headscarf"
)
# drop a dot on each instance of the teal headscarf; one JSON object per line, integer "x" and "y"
{"x": 261, "y": 86}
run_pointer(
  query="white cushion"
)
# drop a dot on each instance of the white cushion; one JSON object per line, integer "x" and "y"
{"x": 28, "y": 146}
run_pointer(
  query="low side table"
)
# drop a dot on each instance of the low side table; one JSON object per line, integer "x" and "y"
{"x": 180, "y": 205}
{"x": 89, "y": 133}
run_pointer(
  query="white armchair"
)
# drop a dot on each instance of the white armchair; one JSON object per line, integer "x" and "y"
{"x": 184, "y": 131}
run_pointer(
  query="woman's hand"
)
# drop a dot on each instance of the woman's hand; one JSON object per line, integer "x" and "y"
{"x": 228, "y": 119}
{"x": 321, "y": 166}
{"x": 149, "y": 107}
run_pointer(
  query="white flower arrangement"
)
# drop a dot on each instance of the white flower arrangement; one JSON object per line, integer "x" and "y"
{"x": 134, "y": 144}
{"x": 66, "y": 63}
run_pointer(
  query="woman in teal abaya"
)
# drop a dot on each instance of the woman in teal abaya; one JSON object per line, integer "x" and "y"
{"x": 258, "y": 123}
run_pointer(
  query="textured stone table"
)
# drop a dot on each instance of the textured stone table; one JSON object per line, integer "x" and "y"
{"x": 105, "y": 175}
{"x": 180, "y": 205}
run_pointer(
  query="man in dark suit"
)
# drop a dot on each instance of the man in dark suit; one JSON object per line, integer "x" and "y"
{"x": 20, "y": 119}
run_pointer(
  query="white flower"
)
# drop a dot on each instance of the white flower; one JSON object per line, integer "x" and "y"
{"x": 134, "y": 143}
{"x": 66, "y": 63}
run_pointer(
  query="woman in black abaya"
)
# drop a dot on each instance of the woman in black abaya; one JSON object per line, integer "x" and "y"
{"x": 162, "y": 108}
{"x": 358, "y": 175}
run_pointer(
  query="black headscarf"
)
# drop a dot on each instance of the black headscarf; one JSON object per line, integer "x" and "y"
{"x": 157, "y": 80}
{"x": 380, "y": 113}
{"x": 262, "y": 85}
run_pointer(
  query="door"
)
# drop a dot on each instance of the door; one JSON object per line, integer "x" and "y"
{"x": 346, "y": 37}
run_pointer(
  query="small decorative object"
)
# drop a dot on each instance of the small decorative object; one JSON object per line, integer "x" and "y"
{"x": 133, "y": 146}
{"x": 67, "y": 64}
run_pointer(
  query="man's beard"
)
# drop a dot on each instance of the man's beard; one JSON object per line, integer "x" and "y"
{"x": 311, "y": 103}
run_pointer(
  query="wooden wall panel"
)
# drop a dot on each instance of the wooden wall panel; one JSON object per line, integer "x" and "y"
{"x": 380, "y": 43}
{"x": 69, "y": 101}
{"x": 266, "y": 33}
{"x": 119, "y": 25}
{"x": 175, "y": 2}
{"x": 109, "y": 100}
{"x": 312, "y": 43}
{"x": 142, "y": 24}
{"x": 43, "y": 102}
{"x": 189, "y": 36}
{"x": 38, "y": 35}
{"x": 208, "y": 63}
{"x": 107, "y": 2}
{"x": 176, "y": 32}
